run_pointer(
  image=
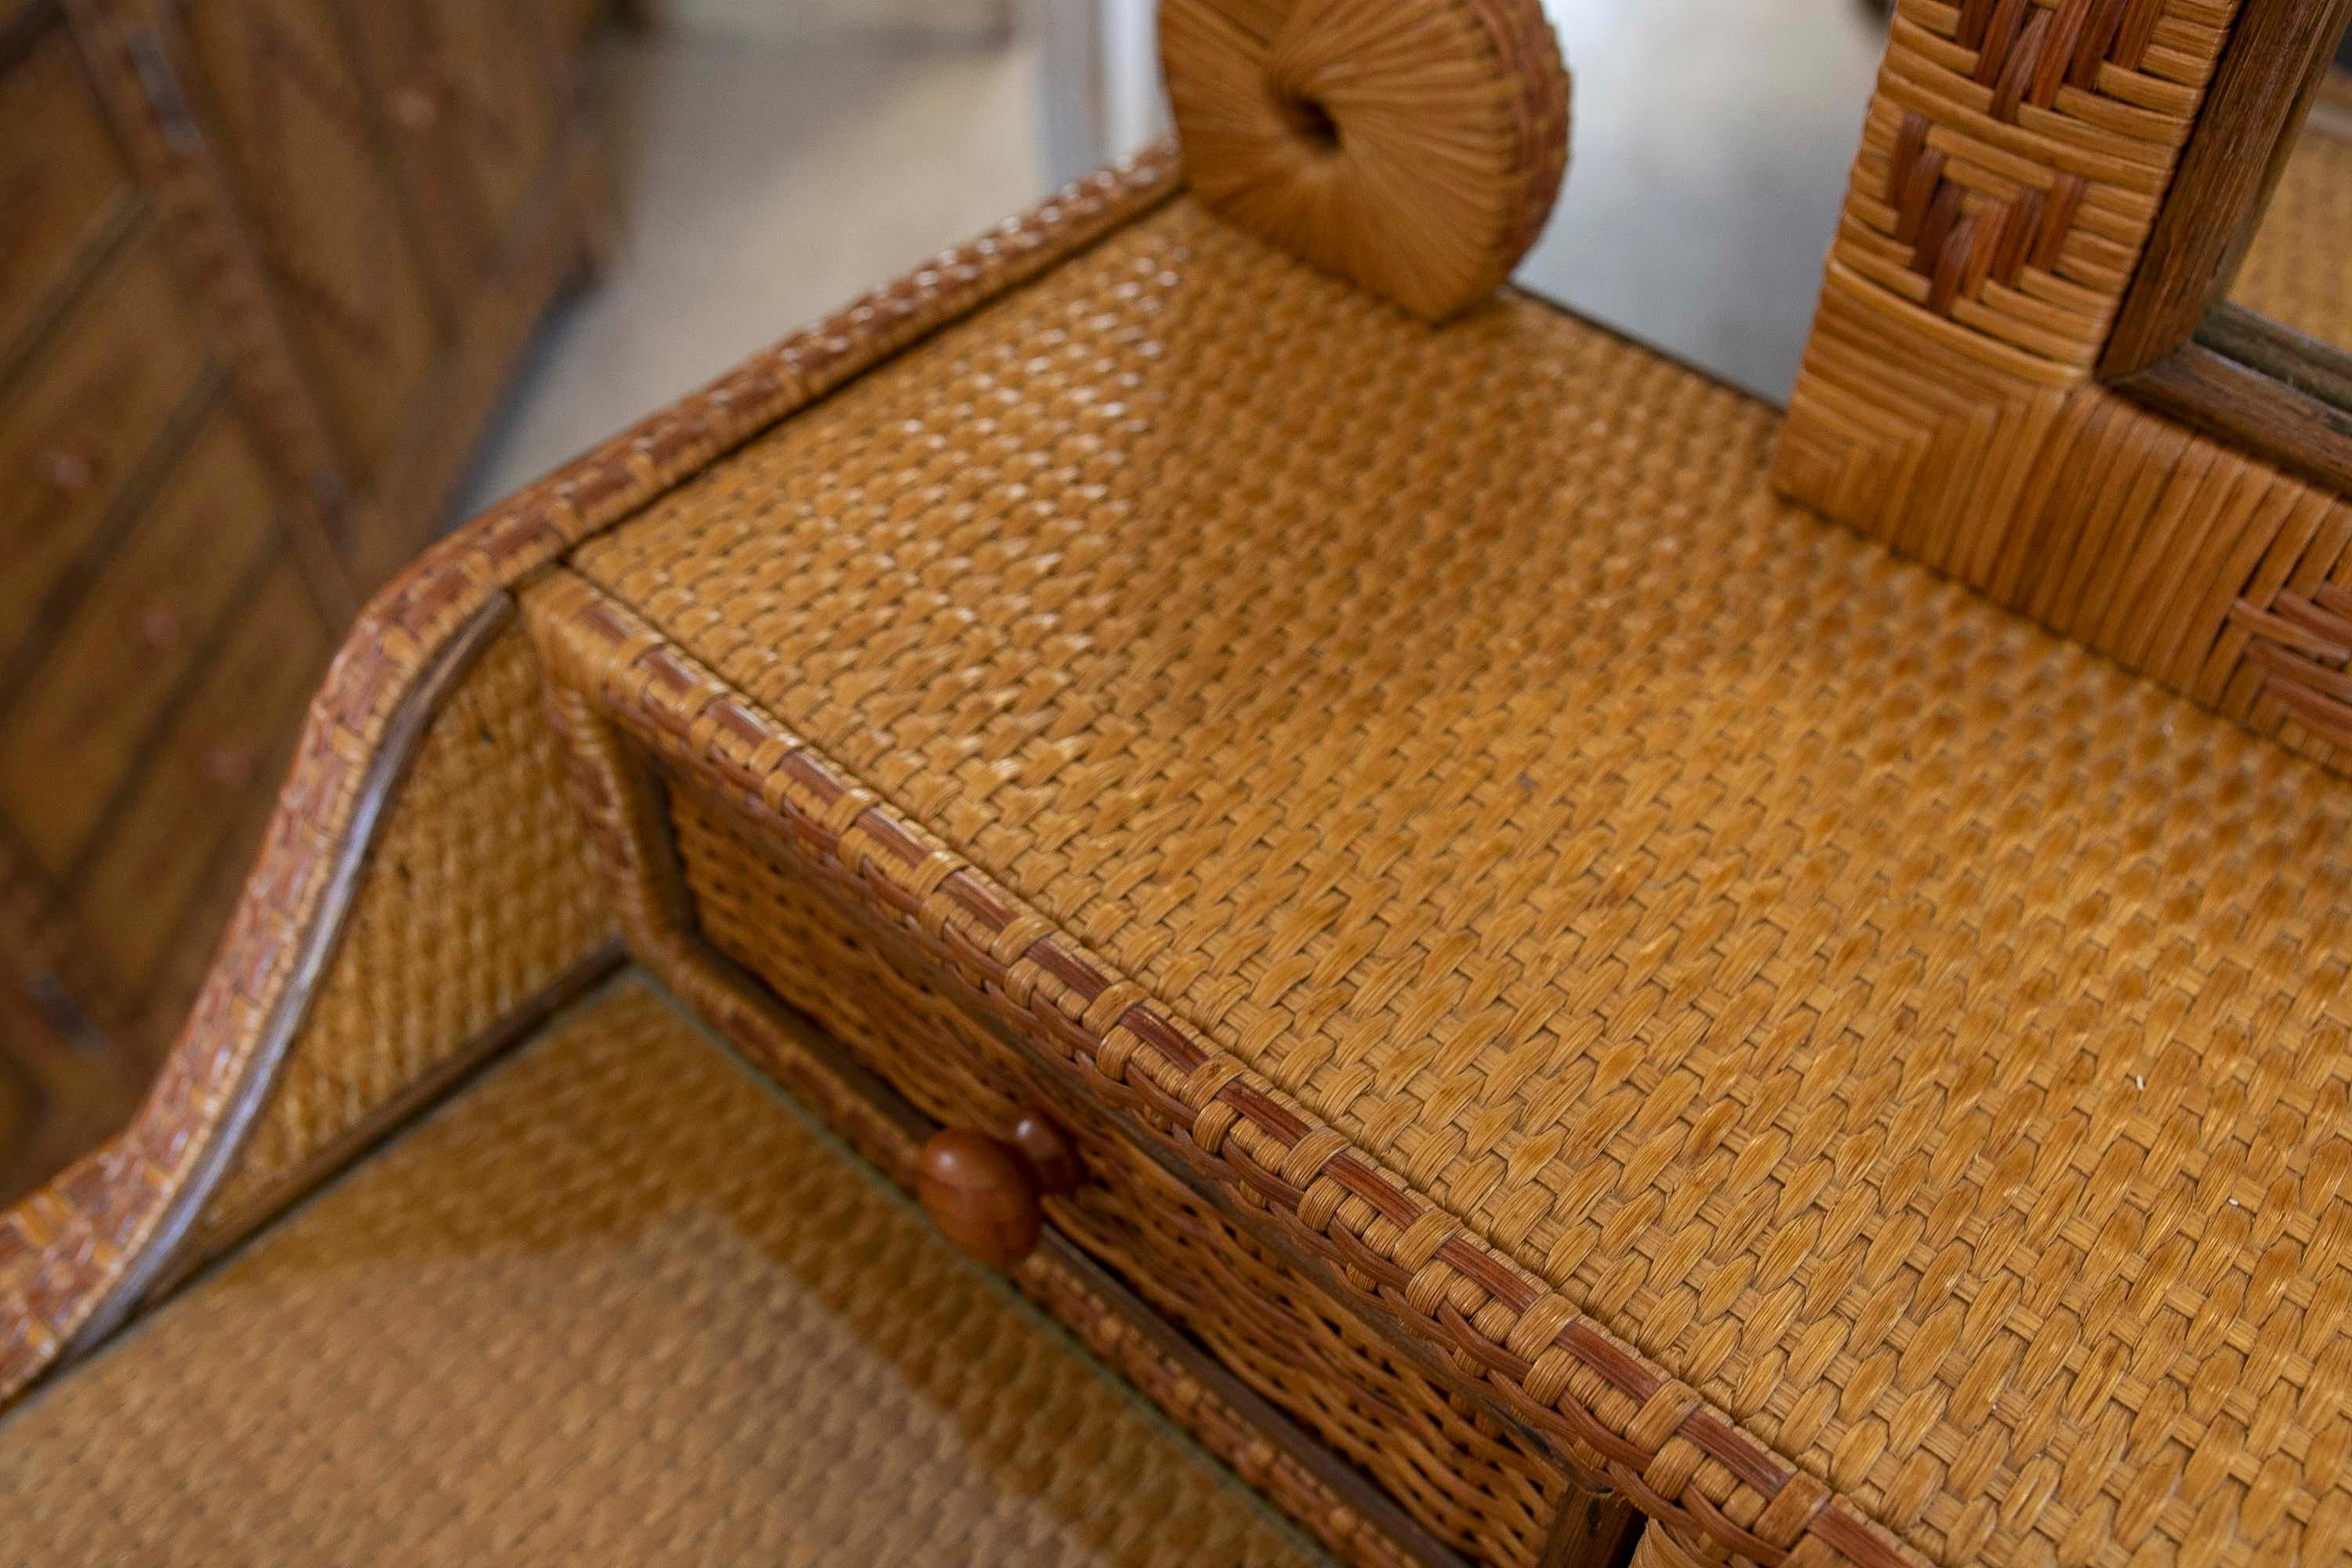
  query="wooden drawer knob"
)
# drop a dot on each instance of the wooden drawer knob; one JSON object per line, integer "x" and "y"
{"x": 981, "y": 1194}
{"x": 1053, "y": 1158}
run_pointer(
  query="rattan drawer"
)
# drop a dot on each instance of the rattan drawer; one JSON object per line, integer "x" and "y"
{"x": 754, "y": 899}
{"x": 1463, "y": 1475}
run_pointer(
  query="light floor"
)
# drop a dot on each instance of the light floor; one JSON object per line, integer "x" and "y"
{"x": 762, "y": 187}
{"x": 766, "y": 182}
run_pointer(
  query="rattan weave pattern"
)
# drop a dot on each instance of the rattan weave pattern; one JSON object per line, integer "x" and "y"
{"x": 813, "y": 1069}
{"x": 1948, "y": 404}
{"x": 2012, "y": 163}
{"x": 2298, "y": 271}
{"x": 483, "y": 894}
{"x": 67, "y": 1250}
{"x": 1470, "y": 1483}
{"x": 1413, "y": 145}
{"x": 615, "y": 1305}
{"x": 1916, "y": 1037}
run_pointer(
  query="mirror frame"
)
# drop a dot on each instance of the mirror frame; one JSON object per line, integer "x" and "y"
{"x": 2178, "y": 344}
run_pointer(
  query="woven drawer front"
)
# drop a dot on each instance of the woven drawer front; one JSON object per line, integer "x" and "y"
{"x": 1467, "y": 1478}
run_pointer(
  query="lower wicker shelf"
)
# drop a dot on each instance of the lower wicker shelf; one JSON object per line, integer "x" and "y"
{"x": 615, "y": 1299}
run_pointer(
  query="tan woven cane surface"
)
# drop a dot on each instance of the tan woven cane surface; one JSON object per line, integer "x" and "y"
{"x": 1413, "y": 145}
{"x": 2298, "y": 271}
{"x": 1470, "y": 1483}
{"x": 616, "y": 1305}
{"x": 481, "y": 894}
{"x": 1919, "y": 1038}
{"x": 2015, "y": 159}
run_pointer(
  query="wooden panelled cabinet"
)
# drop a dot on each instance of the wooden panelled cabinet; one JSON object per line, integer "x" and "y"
{"x": 264, "y": 268}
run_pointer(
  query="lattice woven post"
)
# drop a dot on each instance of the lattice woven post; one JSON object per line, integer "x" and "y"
{"x": 2012, "y": 163}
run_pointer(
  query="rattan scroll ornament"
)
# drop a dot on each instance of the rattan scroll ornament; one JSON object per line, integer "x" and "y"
{"x": 1412, "y": 146}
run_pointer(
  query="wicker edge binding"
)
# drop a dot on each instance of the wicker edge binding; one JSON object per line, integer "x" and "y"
{"x": 1657, "y": 1440}
{"x": 620, "y": 817}
{"x": 66, "y": 1249}
{"x": 625, "y": 814}
{"x": 387, "y": 766}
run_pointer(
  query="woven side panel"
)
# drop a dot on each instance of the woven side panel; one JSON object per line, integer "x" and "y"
{"x": 1384, "y": 1243}
{"x": 479, "y": 894}
{"x": 2011, "y": 167}
{"x": 616, "y": 1306}
{"x": 1459, "y": 1473}
{"x": 67, "y": 1247}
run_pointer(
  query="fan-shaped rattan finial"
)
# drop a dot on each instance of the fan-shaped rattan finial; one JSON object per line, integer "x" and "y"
{"x": 1413, "y": 146}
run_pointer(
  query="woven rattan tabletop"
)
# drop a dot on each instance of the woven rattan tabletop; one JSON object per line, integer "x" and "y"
{"x": 1922, "y": 1039}
{"x": 617, "y": 1304}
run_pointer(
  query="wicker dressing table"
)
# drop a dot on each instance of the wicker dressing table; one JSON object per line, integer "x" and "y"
{"x": 1369, "y": 846}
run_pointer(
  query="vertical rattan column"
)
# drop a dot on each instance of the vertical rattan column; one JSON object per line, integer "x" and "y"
{"x": 2012, "y": 163}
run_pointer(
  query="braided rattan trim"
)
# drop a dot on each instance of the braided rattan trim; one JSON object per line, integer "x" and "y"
{"x": 2011, "y": 167}
{"x": 649, "y": 904}
{"x": 1655, "y": 1439}
{"x": 66, "y": 1249}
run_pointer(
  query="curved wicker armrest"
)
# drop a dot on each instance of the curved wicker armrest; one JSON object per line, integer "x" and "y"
{"x": 78, "y": 1254}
